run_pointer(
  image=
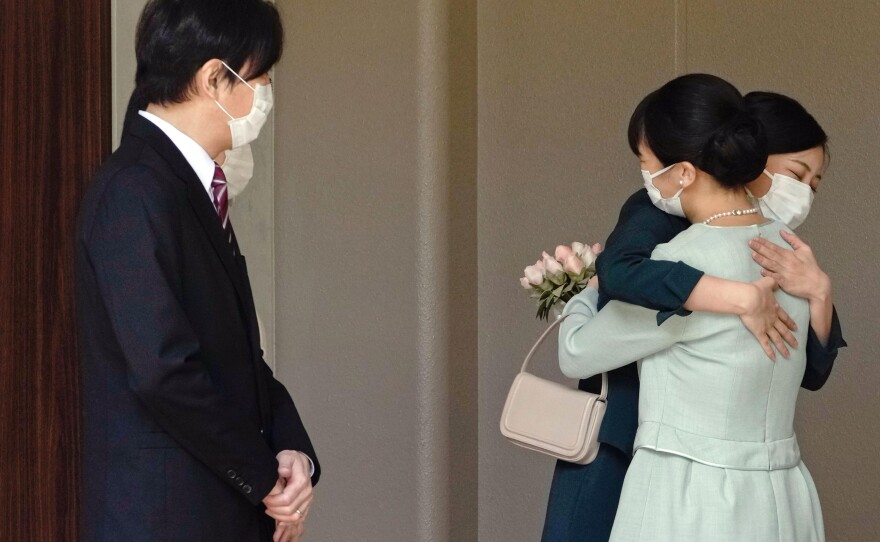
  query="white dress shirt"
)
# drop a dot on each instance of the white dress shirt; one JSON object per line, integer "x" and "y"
{"x": 195, "y": 155}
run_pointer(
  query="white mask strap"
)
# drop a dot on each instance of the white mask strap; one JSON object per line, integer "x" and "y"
{"x": 662, "y": 171}
{"x": 224, "y": 110}
{"x": 239, "y": 77}
{"x": 767, "y": 173}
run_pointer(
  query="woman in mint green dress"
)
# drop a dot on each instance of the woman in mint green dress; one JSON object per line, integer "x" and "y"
{"x": 716, "y": 458}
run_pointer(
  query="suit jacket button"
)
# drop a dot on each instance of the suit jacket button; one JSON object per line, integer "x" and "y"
{"x": 247, "y": 489}
{"x": 231, "y": 473}
{"x": 239, "y": 481}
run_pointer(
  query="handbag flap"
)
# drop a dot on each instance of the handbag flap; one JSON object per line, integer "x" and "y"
{"x": 547, "y": 414}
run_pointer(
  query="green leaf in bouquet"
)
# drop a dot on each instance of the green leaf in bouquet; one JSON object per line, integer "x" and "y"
{"x": 544, "y": 311}
{"x": 559, "y": 279}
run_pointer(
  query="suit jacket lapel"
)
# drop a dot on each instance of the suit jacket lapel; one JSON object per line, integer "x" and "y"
{"x": 198, "y": 199}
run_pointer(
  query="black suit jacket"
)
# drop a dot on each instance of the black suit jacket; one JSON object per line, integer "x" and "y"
{"x": 182, "y": 418}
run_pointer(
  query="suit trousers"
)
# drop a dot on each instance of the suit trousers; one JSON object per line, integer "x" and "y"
{"x": 583, "y": 498}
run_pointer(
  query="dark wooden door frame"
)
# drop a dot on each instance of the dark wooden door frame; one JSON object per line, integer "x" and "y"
{"x": 55, "y": 116}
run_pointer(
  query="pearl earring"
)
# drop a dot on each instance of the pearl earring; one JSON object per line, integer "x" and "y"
{"x": 681, "y": 182}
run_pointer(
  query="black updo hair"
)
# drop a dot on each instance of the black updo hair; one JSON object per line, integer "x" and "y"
{"x": 787, "y": 125}
{"x": 636, "y": 130}
{"x": 701, "y": 119}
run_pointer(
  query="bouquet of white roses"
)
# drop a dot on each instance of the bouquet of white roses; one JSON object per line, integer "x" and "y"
{"x": 558, "y": 278}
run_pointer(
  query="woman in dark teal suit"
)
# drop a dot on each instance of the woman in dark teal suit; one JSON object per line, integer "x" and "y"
{"x": 583, "y": 499}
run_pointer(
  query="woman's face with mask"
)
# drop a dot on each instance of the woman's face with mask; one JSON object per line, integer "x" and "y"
{"x": 786, "y": 189}
{"x": 667, "y": 181}
{"x": 805, "y": 166}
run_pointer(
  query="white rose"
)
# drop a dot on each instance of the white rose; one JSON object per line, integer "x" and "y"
{"x": 533, "y": 275}
{"x": 588, "y": 257}
{"x": 552, "y": 266}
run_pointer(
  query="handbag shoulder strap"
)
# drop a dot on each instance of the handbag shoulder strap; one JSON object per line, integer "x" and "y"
{"x": 602, "y": 396}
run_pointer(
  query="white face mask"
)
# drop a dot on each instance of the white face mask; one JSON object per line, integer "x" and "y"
{"x": 667, "y": 205}
{"x": 246, "y": 129}
{"x": 238, "y": 168}
{"x": 788, "y": 200}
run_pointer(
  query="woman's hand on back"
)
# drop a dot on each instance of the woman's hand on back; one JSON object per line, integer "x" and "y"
{"x": 796, "y": 271}
{"x": 767, "y": 321}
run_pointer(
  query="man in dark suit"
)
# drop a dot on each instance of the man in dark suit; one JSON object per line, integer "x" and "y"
{"x": 187, "y": 434}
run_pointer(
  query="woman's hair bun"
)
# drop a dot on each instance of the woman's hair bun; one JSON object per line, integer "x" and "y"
{"x": 736, "y": 150}
{"x": 702, "y": 119}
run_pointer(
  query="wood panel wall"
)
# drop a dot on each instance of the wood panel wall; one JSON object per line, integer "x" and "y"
{"x": 56, "y": 123}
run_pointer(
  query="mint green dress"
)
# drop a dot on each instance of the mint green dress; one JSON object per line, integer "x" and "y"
{"x": 716, "y": 458}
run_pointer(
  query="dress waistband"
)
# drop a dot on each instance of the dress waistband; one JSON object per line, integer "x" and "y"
{"x": 715, "y": 452}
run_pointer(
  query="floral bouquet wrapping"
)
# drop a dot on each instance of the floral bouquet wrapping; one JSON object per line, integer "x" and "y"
{"x": 556, "y": 279}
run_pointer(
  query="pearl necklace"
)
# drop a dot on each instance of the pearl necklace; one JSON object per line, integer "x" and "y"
{"x": 737, "y": 212}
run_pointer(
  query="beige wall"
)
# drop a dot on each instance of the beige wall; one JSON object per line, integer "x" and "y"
{"x": 375, "y": 258}
{"x": 557, "y": 83}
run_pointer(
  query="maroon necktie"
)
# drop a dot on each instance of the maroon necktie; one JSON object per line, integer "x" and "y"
{"x": 221, "y": 201}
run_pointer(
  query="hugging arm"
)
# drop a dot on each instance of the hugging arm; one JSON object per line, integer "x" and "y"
{"x": 593, "y": 341}
{"x": 821, "y": 356}
{"x": 625, "y": 268}
{"x": 627, "y": 273}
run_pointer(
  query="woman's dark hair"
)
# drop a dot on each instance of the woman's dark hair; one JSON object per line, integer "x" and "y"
{"x": 789, "y": 127}
{"x": 176, "y": 37}
{"x": 636, "y": 131}
{"x": 701, "y": 119}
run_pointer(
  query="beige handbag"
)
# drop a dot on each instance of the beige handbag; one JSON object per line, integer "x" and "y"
{"x": 552, "y": 418}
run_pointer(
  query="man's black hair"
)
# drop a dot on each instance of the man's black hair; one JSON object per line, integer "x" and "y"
{"x": 176, "y": 37}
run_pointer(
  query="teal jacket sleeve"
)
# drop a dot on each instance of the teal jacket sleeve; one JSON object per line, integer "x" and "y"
{"x": 626, "y": 271}
{"x": 820, "y": 359}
